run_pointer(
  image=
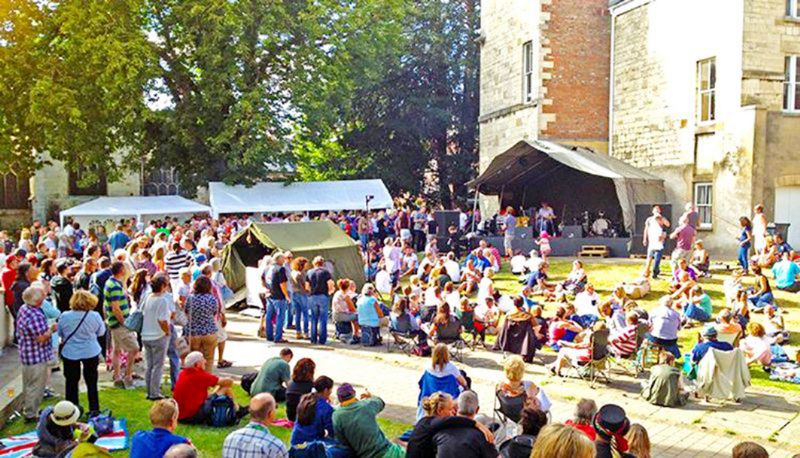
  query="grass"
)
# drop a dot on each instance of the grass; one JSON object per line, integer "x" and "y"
{"x": 132, "y": 405}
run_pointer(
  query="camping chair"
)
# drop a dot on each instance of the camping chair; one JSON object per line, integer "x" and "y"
{"x": 508, "y": 407}
{"x": 451, "y": 336}
{"x": 519, "y": 338}
{"x": 401, "y": 335}
{"x": 723, "y": 375}
{"x": 630, "y": 363}
{"x": 597, "y": 366}
{"x": 730, "y": 337}
{"x": 429, "y": 384}
{"x": 468, "y": 323}
{"x": 648, "y": 355}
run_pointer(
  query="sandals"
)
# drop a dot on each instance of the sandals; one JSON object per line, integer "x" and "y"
{"x": 222, "y": 364}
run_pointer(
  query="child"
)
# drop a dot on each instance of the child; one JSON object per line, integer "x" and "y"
{"x": 700, "y": 259}
{"x": 544, "y": 245}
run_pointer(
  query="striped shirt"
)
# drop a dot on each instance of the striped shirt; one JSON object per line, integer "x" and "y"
{"x": 115, "y": 292}
{"x": 175, "y": 262}
{"x": 624, "y": 343}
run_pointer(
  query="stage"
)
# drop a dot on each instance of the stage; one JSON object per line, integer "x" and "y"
{"x": 563, "y": 246}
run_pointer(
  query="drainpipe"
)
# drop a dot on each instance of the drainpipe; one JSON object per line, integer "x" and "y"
{"x": 611, "y": 87}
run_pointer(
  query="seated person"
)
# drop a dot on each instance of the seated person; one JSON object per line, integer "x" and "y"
{"x": 355, "y": 425}
{"x": 191, "y": 390}
{"x": 585, "y": 410}
{"x": 273, "y": 376}
{"x": 518, "y": 262}
{"x": 59, "y": 430}
{"x": 665, "y": 322}
{"x": 786, "y": 272}
{"x": 486, "y": 318}
{"x": 400, "y": 319}
{"x": 741, "y": 309}
{"x": 578, "y": 352}
{"x": 344, "y": 310}
{"x": 784, "y": 247}
{"x": 315, "y": 414}
{"x": 618, "y": 299}
{"x": 440, "y": 432}
{"x": 255, "y": 439}
{"x": 486, "y": 285}
{"x": 537, "y": 281}
{"x": 576, "y": 280}
{"x": 370, "y": 314}
{"x": 775, "y": 327}
{"x": 683, "y": 266}
{"x": 514, "y": 385}
{"x": 762, "y": 297}
{"x": 541, "y": 326}
{"x": 623, "y": 342}
{"x": 410, "y": 262}
{"x": 471, "y": 276}
{"x": 584, "y": 321}
{"x": 520, "y": 446}
{"x": 697, "y": 307}
{"x": 433, "y": 296}
{"x": 727, "y": 324}
{"x": 587, "y": 301}
{"x": 452, "y": 267}
{"x": 562, "y": 329}
{"x": 302, "y": 383}
{"x": 155, "y": 443}
{"x": 181, "y": 451}
{"x": 768, "y": 255}
{"x": 700, "y": 260}
{"x": 441, "y": 366}
{"x": 451, "y": 295}
{"x": 680, "y": 289}
{"x": 383, "y": 280}
{"x": 709, "y": 341}
{"x": 732, "y": 286}
{"x": 664, "y": 387}
{"x": 444, "y": 319}
{"x": 756, "y": 346}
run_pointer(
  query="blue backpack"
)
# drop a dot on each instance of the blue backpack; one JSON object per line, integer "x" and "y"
{"x": 221, "y": 411}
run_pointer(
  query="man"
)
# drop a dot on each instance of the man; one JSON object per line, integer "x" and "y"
{"x": 783, "y": 246}
{"x": 786, "y": 272}
{"x": 393, "y": 259}
{"x": 684, "y": 236}
{"x": 84, "y": 277}
{"x": 174, "y": 261}
{"x": 278, "y": 302}
{"x": 155, "y": 443}
{"x": 623, "y": 343}
{"x": 191, "y": 390}
{"x": 465, "y": 441}
{"x": 181, "y": 451}
{"x": 420, "y": 219}
{"x": 664, "y": 325}
{"x": 653, "y": 239}
{"x": 61, "y": 286}
{"x": 709, "y": 341}
{"x": 363, "y": 229}
{"x": 320, "y": 285}
{"x": 274, "y": 376}
{"x": 117, "y": 310}
{"x": 537, "y": 281}
{"x": 35, "y": 349}
{"x": 118, "y": 239}
{"x": 452, "y": 267}
{"x": 691, "y": 215}
{"x": 509, "y": 226}
{"x": 255, "y": 440}
{"x": 355, "y": 425}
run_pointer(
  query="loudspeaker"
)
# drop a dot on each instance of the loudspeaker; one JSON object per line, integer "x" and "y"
{"x": 572, "y": 232}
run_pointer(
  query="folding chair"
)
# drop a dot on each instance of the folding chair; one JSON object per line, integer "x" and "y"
{"x": 508, "y": 407}
{"x": 468, "y": 322}
{"x": 451, "y": 336}
{"x": 648, "y": 355}
{"x": 401, "y": 335}
{"x": 597, "y": 366}
{"x": 630, "y": 363}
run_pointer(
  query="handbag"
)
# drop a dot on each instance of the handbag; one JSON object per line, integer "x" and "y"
{"x": 183, "y": 344}
{"x": 103, "y": 423}
{"x": 64, "y": 342}
{"x": 135, "y": 321}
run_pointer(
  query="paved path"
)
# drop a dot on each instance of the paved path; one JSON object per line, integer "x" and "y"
{"x": 698, "y": 429}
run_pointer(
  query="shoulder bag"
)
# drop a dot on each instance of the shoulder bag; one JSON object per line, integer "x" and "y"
{"x": 64, "y": 342}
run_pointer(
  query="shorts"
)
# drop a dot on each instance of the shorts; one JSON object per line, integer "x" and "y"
{"x": 124, "y": 339}
{"x": 344, "y": 317}
{"x": 508, "y": 240}
{"x": 405, "y": 234}
{"x": 679, "y": 253}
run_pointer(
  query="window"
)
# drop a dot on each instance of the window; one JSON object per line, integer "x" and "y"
{"x": 791, "y": 84}
{"x": 14, "y": 192}
{"x": 703, "y": 201}
{"x": 98, "y": 187}
{"x": 706, "y": 90}
{"x": 162, "y": 182}
{"x": 527, "y": 72}
{"x": 793, "y": 8}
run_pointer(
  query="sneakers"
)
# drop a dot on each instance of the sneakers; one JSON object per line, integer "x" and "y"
{"x": 298, "y": 335}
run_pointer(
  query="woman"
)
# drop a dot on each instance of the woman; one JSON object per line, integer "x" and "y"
{"x": 302, "y": 383}
{"x": 443, "y": 319}
{"x": 370, "y": 315}
{"x": 440, "y": 414}
{"x": 768, "y": 255}
{"x": 315, "y": 414}
{"x": 159, "y": 258}
{"x": 577, "y": 352}
{"x": 576, "y": 280}
{"x": 401, "y": 320}
{"x": 47, "y": 271}
{"x": 532, "y": 421}
{"x": 297, "y": 282}
{"x": 561, "y": 329}
{"x": 442, "y": 367}
{"x": 514, "y": 385}
{"x": 700, "y": 260}
{"x": 451, "y": 295}
{"x": 79, "y": 328}
{"x": 559, "y": 441}
{"x": 638, "y": 441}
{"x": 756, "y": 346}
{"x": 139, "y": 289}
{"x": 156, "y": 331}
{"x": 26, "y": 274}
{"x": 745, "y": 239}
{"x": 486, "y": 286}
{"x": 201, "y": 310}
{"x": 763, "y": 292}
{"x": 775, "y": 327}
{"x": 344, "y": 311}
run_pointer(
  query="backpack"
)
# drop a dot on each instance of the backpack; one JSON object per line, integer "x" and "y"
{"x": 221, "y": 411}
{"x": 103, "y": 423}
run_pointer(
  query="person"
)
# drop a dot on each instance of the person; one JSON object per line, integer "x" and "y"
{"x": 118, "y": 239}
{"x": 255, "y": 439}
{"x": 710, "y": 341}
{"x": 156, "y": 333}
{"x": 749, "y": 450}
{"x": 117, "y": 310}
{"x": 581, "y": 420}
{"x": 302, "y": 383}
{"x": 700, "y": 259}
{"x": 442, "y": 434}
{"x": 783, "y": 246}
{"x": 321, "y": 286}
{"x": 273, "y": 376}
{"x": 762, "y": 297}
{"x": 315, "y": 414}
{"x": 622, "y": 343}
{"x": 611, "y": 425}
{"x": 370, "y": 314}
{"x": 698, "y": 306}
{"x": 775, "y": 326}
{"x": 531, "y": 421}
{"x": 576, "y": 352}
{"x": 84, "y": 276}
{"x": 443, "y": 319}
{"x": 61, "y": 286}
{"x": 537, "y": 281}
{"x": 175, "y": 261}
{"x": 181, "y": 451}
{"x": 355, "y": 425}
{"x": 786, "y": 272}
{"x": 59, "y": 430}
{"x": 509, "y": 226}
{"x": 514, "y": 385}
{"x": 664, "y": 325}
{"x": 344, "y": 311}
{"x": 664, "y": 388}
{"x": 191, "y": 390}
{"x": 299, "y": 305}
{"x": 586, "y": 303}
{"x": 727, "y": 324}
{"x": 684, "y": 236}
{"x": 745, "y": 242}
{"x": 544, "y": 245}
{"x": 441, "y": 366}
{"x": 156, "y": 442}
{"x": 756, "y": 346}
{"x": 759, "y": 228}
{"x": 638, "y": 441}
{"x": 201, "y": 311}
{"x": 25, "y": 276}
{"x": 35, "y": 349}
{"x": 278, "y": 285}
{"x": 79, "y": 329}
{"x": 560, "y": 441}
{"x": 8, "y": 276}
{"x": 653, "y": 238}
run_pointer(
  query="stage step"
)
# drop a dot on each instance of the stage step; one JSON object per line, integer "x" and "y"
{"x": 594, "y": 251}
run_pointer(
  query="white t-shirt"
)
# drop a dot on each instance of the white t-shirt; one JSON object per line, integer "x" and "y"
{"x": 654, "y": 234}
{"x": 448, "y": 369}
{"x": 156, "y": 308}
{"x": 506, "y": 304}
{"x": 484, "y": 288}
{"x": 453, "y": 300}
{"x": 483, "y": 313}
{"x": 383, "y": 281}
{"x": 533, "y": 263}
{"x": 430, "y": 297}
{"x": 518, "y": 264}
{"x": 453, "y": 270}
{"x": 586, "y": 303}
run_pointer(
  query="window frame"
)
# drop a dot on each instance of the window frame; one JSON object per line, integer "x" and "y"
{"x": 15, "y": 192}
{"x": 793, "y": 9}
{"x": 791, "y": 83}
{"x": 701, "y": 225}
{"x": 711, "y": 91}
{"x": 527, "y": 72}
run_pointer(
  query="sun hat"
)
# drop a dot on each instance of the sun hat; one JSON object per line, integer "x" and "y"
{"x": 65, "y": 413}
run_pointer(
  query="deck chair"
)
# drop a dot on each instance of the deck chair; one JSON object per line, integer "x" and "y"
{"x": 508, "y": 407}
{"x": 451, "y": 336}
{"x": 468, "y": 324}
{"x": 429, "y": 384}
{"x": 597, "y": 366}
{"x": 630, "y": 363}
{"x": 518, "y": 337}
{"x": 401, "y": 335}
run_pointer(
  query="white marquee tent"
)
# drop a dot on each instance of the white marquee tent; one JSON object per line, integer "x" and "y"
{"x": 278, "y": 197}
{"x": 133, "y": 207}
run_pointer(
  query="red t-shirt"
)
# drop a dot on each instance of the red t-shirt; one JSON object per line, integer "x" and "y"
{"x": 7, "y": 278}
{"x": 191, "y": 390}
{"x": 586, "y": 429}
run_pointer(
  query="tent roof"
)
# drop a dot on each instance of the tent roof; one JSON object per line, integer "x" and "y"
{"x": 305, "y": 236}
{"x": 136, "y": 206}
{"x": 528, "y": 160}
{"x": 298, "y": 197}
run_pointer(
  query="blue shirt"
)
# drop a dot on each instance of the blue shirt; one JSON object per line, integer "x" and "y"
{"x": 118, "y": 240}
{"x": 786, "y": 273}
{"x": 83, "y": 344}
{"x": 743, "y": 237}
{"x": 702, "y": 348}
{"x": 322, "y": 424}
{"x": 367, "y": 315}
{"x": 155, "y": 443}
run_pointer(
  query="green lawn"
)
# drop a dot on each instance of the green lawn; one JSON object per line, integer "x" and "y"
{"x": 133, "y": 406}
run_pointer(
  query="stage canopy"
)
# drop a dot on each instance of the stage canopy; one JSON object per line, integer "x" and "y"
{"x": 134, "y": 206}
{"x": 278, "y": 197}
{"x": 571, "y": 179}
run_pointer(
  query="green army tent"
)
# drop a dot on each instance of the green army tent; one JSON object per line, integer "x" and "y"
{"x": 306, "y": 239}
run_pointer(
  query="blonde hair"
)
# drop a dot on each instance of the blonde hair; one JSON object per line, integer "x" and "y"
{"x": 755, "y": 329}
{"x": 434, "y": 403}
{"x": 514, "y": 367}
{"x": 638, "y": 441}
{"x": 559, "y": 441}
{"x": 83, "y": 300}
{"x": 163, "y": 413}
{"x": 440, "y": 356}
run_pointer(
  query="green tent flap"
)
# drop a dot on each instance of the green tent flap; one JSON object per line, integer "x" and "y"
{"x": 306, "y": 239}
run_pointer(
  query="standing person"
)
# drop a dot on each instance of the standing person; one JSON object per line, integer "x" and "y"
{"x": 510, "y": 225}
{"x": 84, "y": 276}
{"x": 255, "y": 439}
{"x": 118, "y": 239}
{"x": 320, "y": 286}
{"x": 35, "y": 350}
{"x": 61, "y": 286}
{"x": 277, "y": 303}
{"x": 7, "y": 278}
{"x": 653, "y": 239}
{"x": 759, "y": 228}
{"x": 355, "y": 425}
{"x": 363, "y": 229}
{"x": 300, "y": 295}
{"x": 201, "y": 311}
{"x": 420, "y": 219}
{"x": 175, "y": 261}
{"x": 745, "y": 239}
{"x": 691, "y": 215}
{"x": 79, "y": 329}
{"x": 97, "y": 284}
{"x": 117, "y": 309}
{"x": 156, "y": 333}
{"x": 684, "y": 236}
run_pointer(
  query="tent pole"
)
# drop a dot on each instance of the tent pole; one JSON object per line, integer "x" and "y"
{"x": 502, "y": 191}
{"x": 475, "y": 207}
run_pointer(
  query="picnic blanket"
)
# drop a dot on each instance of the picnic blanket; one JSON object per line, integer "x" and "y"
{"x": 785, "y": 372}
{"x": 22, "y": 445}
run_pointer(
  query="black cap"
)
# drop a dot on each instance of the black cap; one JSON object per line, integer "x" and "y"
{"x": 611, "y": 418}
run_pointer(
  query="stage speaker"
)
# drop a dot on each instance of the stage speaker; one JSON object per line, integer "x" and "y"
{"x": 444, "y": 218}
{"x": 572, "y": 232}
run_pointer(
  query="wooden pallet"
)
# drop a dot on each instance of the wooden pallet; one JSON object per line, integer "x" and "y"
{"x": 638, "y": 256}
{"x": 594, "y": 251}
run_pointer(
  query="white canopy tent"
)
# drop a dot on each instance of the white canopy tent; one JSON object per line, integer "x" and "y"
{"x": 279, "y": 197}
{"x": 134, "y": 207}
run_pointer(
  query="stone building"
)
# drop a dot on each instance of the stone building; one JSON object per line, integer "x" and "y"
{"x": 706, "y": 95}
{"x": 544, "y": 75}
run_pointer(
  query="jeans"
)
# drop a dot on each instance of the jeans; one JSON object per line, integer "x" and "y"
{"x": 318, "y": 305}
{"x": 154, "y": 352}
{"x": 743, "y": 257}
{"x": 656, "y": 255}
{"x": 671, "y": 345}
{"x": 761, "y": 301}
{"x": 174, "y": 357}
{"x": 301, "y": 312}
{"x": 694, "y": 312}
{"x": 275, "y": 307}
{"x": 364, "y": 239}
{"x": 72, "y": 376}
{"x": 289, "y": 315}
